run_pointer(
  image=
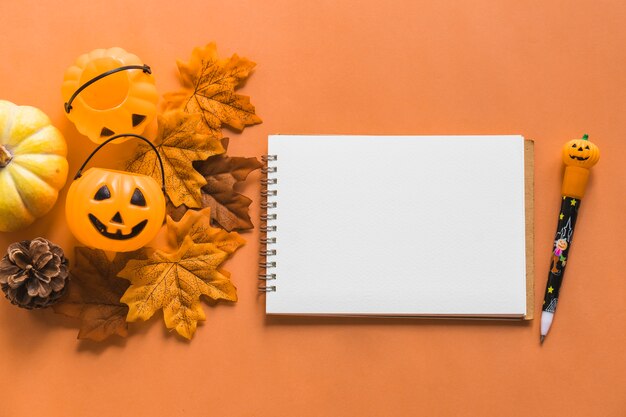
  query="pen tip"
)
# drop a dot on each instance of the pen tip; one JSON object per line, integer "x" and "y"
{"x": 541, "y": 338}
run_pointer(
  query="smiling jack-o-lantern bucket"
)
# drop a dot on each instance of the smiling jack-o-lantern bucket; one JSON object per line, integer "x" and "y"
{"x": 115, "y": 210}
{"x": 108, "y": 92}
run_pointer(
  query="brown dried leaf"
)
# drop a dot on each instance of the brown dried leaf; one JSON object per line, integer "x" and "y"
{"x": 94, "y": 293}
{"x": 209, "y": 85}
{"x": 180, "y": 141}
{"x": 229, "y": 209}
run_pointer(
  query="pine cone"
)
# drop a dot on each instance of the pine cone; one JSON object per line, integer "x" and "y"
{"x": 33, "y": 273}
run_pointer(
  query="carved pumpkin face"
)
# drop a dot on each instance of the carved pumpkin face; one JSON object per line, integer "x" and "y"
{"x": 123, "y": 102}
{"x": 114, "y": 210}
{"x": 581, "y": 153}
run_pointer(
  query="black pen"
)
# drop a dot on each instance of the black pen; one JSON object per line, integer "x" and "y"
{"x": 579, "y": 155}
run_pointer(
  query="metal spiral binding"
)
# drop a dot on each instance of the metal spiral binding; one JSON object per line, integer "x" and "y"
{"x": 268, "y": 191}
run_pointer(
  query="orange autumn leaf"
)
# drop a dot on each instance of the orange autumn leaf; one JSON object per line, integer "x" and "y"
{"x": 209, "y": 85}
{"x": 94, "y": 293}
{"x": 175, "y": 281}
{"x": 180, "y": 141}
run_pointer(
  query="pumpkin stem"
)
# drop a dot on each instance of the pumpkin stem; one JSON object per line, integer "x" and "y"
{"x": 585, "y": 137}
{"x": 5, "y": 156}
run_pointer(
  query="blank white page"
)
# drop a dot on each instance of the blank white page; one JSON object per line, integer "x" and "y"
{"x": 398, "y": 225}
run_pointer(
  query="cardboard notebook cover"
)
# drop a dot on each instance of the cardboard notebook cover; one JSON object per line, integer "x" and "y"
{"x": 529, "y": 207}
{"x": 307, "y": 165}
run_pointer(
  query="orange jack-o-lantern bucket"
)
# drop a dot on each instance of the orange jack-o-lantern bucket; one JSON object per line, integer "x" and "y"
{"x": 115, "y": 210}
{"x": 108, "y": 92}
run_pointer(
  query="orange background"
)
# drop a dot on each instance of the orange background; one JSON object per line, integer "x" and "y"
{"x": 550, "y": 70}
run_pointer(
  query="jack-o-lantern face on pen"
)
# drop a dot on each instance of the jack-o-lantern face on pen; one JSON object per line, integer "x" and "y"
{"x": 581, "y": 153}
{"x": 114, "y": 210}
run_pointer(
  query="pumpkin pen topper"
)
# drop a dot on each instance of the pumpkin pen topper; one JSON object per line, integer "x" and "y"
{"x": 579, "y": 155}
{"x": 115, "y": 210}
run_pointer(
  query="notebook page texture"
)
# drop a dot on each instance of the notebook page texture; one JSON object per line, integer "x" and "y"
{"x": 398, "y": 225}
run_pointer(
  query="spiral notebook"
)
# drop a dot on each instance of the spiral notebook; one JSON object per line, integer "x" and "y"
{"x": 424, "y": 226}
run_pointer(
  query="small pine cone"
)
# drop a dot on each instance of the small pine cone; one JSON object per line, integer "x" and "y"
{"x": 33, "y": 273}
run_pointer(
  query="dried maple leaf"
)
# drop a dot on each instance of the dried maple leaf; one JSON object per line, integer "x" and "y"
{"x": 229, "y": 209}
{"x": 180, "y": 141}
{"x": 175, "y": 281}
{"x": 209, "y": 88}
{"x": 197, "y": 225}
{"x": 94, "y": 294}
